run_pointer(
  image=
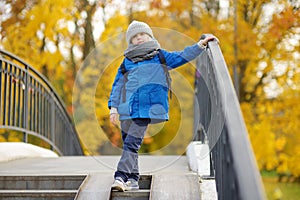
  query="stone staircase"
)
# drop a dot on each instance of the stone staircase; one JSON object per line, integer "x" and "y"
{"x": 90, "y": 178}
{"x": 61, "y": 187}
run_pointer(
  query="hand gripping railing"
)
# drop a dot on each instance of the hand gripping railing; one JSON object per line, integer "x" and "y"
{"x": 218, "y": 121}
{"x": 30, "y": 105}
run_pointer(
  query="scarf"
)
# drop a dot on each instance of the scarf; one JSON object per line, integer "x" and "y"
{"x": 144, "y": 51}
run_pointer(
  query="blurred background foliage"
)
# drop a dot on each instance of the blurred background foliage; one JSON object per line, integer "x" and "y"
{"x": 61, "y": 38}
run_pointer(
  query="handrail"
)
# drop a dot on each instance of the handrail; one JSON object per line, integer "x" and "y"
{"x": 29, "y": 104}
{"x": 220, "y": 122}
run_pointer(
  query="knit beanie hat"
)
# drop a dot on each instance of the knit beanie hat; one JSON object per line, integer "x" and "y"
{"x": 136, "y": 27}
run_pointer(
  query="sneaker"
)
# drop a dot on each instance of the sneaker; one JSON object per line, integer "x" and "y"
{"x": 132, "y": 184}
{"x": 118, "y": 185}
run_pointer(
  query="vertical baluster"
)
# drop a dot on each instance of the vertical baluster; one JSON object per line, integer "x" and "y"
{"x": 37, "y": 106}
{"x": 58, "y": 132}
{"x": 40, "y": 109}
{"x": 10, "y": 82}
{"x": 56, "y": 126}
{"x": 34, "y": 107}
{"x": 31, "y": 120}
{"x": 57, "y": 138}
{"x": 49, "y": 118}
{"x": 43, "y": 111}
{"x": 14, "y": 72}
{"x": 25, "y": 102}
{"x": 1, "y": 73}
{"x": 35, "y": 103}
{"x": 52, "y": 118}
{"x": 19, "y": 102}
{"x": 5, "y": 94}
{"x": 69, "y": 141}
{"x": 62, "y": 133}
{"x": 46, "y": 116}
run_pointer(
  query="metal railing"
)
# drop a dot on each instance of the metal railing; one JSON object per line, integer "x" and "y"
{"x": 218, "y": 121}
{"x": 30, "y": 105}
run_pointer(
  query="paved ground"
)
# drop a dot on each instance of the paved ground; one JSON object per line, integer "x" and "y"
{"x": 91, "y": 164}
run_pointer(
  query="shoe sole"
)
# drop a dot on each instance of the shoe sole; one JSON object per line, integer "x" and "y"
{"x": 130, "y": 189}
{"x": 118, "y": 188}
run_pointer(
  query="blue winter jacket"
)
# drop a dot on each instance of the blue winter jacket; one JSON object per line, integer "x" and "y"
{"x": 146, "y": 87}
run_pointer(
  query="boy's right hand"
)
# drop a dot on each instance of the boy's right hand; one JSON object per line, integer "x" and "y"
{"x": 113, "y": 116}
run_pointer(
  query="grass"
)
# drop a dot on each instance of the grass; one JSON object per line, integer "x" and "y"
{"x": 287, "y": 190}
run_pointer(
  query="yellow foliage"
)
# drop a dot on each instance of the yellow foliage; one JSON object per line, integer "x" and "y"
{"x": 2, "y": 139}
{"x": 280, "y": 144}
{"x": 115, "y": 25}
{"x": 283, "y": 164}
{"x": 263, "y": 141}
{"x": 294, "y": 166}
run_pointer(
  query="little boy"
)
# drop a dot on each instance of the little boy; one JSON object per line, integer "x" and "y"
{"x": 139, "y": 94}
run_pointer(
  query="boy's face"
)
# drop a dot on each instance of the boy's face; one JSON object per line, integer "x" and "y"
{"x": 140, "y": 38}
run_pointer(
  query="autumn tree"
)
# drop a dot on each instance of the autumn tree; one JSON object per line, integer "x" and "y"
{"x": 267, "y": 70}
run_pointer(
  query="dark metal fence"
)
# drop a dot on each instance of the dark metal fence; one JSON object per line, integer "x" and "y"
{"x": 29, "y": 104}
{"x": 218, "y": 121}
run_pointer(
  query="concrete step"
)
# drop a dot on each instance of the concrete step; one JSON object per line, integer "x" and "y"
{"x": 145, "y": 181}
{"x": 175, "y": 186}
{"x": 58, "y": 187}
{"x": 37, "y": 194}
{"x": 142, "y": 194}
{"x": 41, "y": 182}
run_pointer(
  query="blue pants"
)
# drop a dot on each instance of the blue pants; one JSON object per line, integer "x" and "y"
{"x": 133, "y": 132}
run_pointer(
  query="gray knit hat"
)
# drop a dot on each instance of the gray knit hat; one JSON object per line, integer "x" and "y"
{"x": 136, "y": 27}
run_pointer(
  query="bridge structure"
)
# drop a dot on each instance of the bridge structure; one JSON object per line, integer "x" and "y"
{"x": 219, "y": 163}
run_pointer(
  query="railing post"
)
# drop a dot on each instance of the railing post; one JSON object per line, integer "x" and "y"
{"x": 25, "y": 104}
{"x": 1, "y": 87}
{"x": 52, "y": 121}
{"x": 4, "y": 94}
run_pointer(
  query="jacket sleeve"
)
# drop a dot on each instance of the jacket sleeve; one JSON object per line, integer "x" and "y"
{"x": 178, "y": 58}
{"x": 115, "y": 94}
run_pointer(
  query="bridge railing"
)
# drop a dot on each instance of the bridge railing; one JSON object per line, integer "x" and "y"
{"x": 30, "y": 105}
{"x": 219, "y": 122}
